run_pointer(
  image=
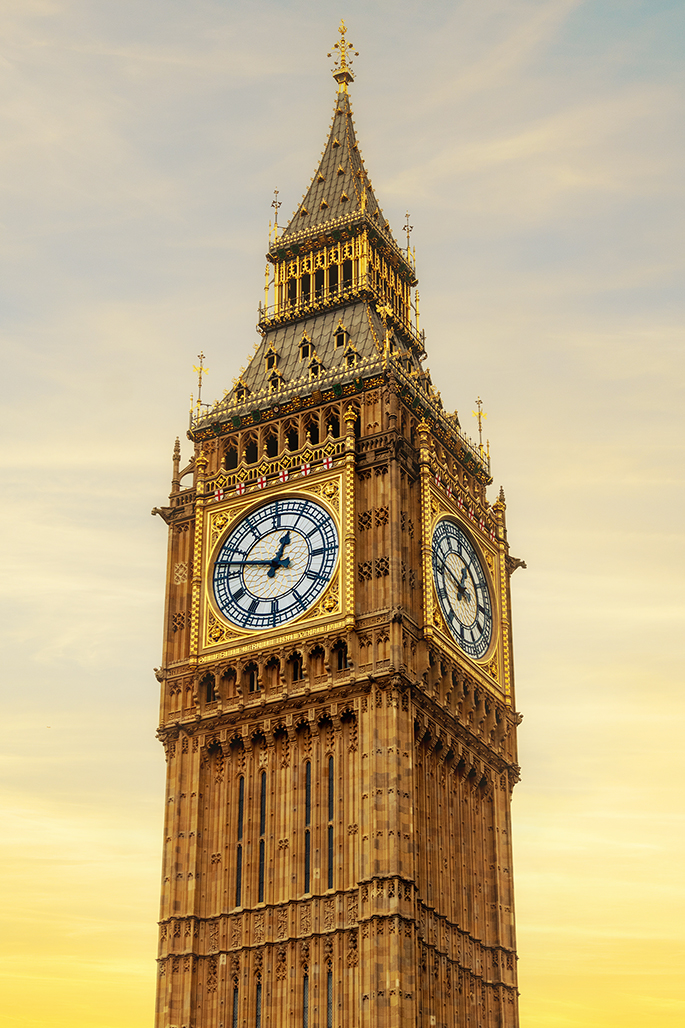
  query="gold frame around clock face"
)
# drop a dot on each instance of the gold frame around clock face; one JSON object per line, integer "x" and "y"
{"x": 275, "y": 562}
{"x": 462, "y": 588}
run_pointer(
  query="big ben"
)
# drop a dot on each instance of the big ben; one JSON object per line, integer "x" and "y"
{"x": 337, "y": 689}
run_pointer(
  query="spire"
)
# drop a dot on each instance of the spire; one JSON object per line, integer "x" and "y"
{"x": 340, "y": 191}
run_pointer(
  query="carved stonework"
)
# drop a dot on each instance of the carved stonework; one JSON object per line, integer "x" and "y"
{"x": 281, "y": 964}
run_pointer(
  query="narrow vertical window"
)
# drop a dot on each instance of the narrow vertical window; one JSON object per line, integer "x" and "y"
{"x": 239, "y": 876}
{"x": 235, "y": 1007}
{"x": 262, "y": 807}
{"x": 241, "y": 806}
{"x": 331, "y": 788}
{"x": 261, "y": 871}
{"x": 258, "y": 1007}
{"x": 239, "y": 851}
{"x": 305, "y": 1002}
{"x": 307, "y": 821}
{"x": 307, "y": 859}
{"x": 329, "y": 999}
{"x": 308, "y": 793}
{"x": 262, "y": 830}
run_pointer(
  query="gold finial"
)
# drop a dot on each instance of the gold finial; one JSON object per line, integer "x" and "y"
{"x": 276, "y": 203}
{"x": 176, "y": 476}
{"x": 480, "y": 414}
{"x": 408, "y": 230}
{"x": 201, "y": 370}
{"x": 342, "y": 71}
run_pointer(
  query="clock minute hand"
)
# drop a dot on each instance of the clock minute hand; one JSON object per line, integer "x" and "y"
{"x": 284, "y": 541}
{"x": 278, "y": 561}
{"x": 261, "y": 563}
{"x": 461, "y": 586}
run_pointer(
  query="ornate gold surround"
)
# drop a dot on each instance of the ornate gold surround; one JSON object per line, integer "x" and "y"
{"x": 494, "y": 665}
{"x": 333, "y": 606}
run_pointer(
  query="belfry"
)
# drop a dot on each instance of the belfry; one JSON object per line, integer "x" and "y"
{"x": 337, "y": 688}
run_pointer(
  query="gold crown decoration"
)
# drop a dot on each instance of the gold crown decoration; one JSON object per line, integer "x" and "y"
{"x": 342, "y": 72}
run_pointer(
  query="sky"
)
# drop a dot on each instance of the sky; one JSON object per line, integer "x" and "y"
{"x": 539, "y": 147}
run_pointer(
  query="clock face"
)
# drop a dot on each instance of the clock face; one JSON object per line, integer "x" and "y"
{"x": 275, "y": 563}
{"x": 462, "y": 588}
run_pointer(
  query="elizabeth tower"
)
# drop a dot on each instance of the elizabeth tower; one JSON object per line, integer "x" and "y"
{"x": 337, "y": 701}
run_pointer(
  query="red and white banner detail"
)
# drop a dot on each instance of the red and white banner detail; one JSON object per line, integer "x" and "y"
{"x": 328, "y": 463}
{"x": 306, "y": 468}
{"x": 240, "y": 488}
{"x": 283, "y": 475}
{"x": 261, "y": 482}
{"x": 219, "y": 494}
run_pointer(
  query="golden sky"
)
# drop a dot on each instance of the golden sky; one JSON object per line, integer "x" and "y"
{"x": 538, "y": 145}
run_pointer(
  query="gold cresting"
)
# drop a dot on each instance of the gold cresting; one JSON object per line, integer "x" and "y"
{"x": 342, "y": 71}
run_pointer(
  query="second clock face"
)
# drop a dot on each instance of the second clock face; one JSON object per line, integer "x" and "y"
{"x": 462, "y": 588}
{"x": 275, "y": 563}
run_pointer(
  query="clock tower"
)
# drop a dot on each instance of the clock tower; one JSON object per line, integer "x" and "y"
{"x": 337, "y": 691}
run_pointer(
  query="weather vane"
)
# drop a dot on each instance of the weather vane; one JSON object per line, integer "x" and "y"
{"x": 201, "y": 370}
{"x": 480, "y": 414}
{"x": 408, "y": 229}
{"x": 342, "y": 71}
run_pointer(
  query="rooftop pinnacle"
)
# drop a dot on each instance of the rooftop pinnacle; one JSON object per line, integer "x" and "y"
{"x": 342, "y": 72}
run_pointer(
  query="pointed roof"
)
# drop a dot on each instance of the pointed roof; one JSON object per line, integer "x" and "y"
{"x": 341, "y": 186}
{"x": 340, "y": 196}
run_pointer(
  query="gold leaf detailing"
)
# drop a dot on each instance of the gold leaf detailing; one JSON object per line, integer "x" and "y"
{"x": 490, "y": 562}
{"x": 329, "y": 491}
{"x": 494, "y": 669}
{"x": 216, "y": 632}
{"x": 218, "y": 523}
{"x": 437, "y": 620}
{"x": 330, "y": 603}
